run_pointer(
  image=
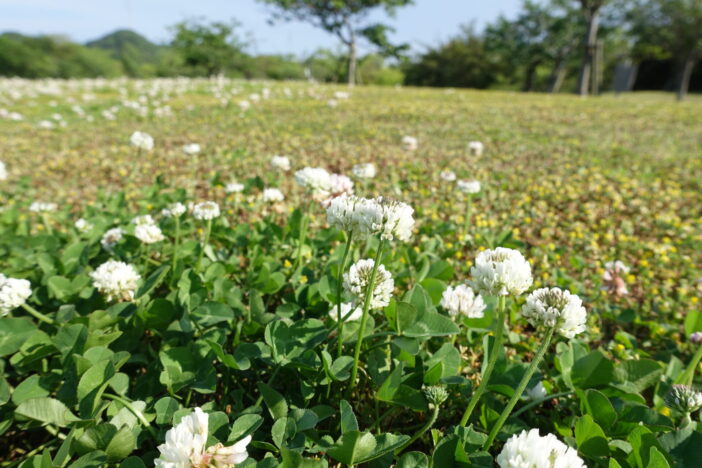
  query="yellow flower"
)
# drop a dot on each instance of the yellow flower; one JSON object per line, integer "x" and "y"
{"x": 287, "y": 263}
{"x": 303, "y": 279}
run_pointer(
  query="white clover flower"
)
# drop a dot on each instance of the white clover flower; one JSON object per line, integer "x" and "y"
{"x": 339, "y": 185}
{"x": 244, "y": 105}
{"x": 42, "y": 207}
{"x": 233, "y": 187}
{"x": 116, "y": 280}
{"x": 387, "y": 218}
{"x": 191, "y": 149}
{"x": 613, "y": 278}
{"x": 342, "y": 95}
{"x": 316, "y": 180}
{"x": 530, "y": 450}
{"x": 476, "y": 148}
{"x": 143, "y": 220}
{"x": 501, "y": 272}
{"x": 82, "y": 225}
{"x": 282, "y": 163}
{"x": 332, "y": 103}
{"x": 346, "y": 308}
{"x": 409, "y": 143}
{"x": 13, "y": 293}
{"x": 462, "y": 300}
{"x": 468, "y": 186}
{"x": 447, "y": 176}
{"x": 46, "y": 124}
{"x": 357, "y": 282}
{"x": 206, "y": 210}
{"x": 111, "y": 238}
{"x": 142, "y": 140}
{"x": 174, "y": 210}
{"x": 684, "y": 398}
{"x": 537, "y": 392}
{"x": 272, "y": 195}
{"x": 554, "y": 307}
{"x": 364, "y": 171}
{"x": 341, "y": 213}
{"x": 148, "y": 233}
{"x": 185, "y": 446}
{"x": 3, "y": 171}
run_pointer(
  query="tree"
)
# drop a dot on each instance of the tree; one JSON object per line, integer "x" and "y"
{"x": 208, "y": 49}
{"x": 591, "y": 9}
{"x": 669, "y": 29}
{"x": 345, "y": 19}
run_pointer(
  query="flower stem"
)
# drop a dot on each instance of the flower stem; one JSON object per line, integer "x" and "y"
{"x": 492, "y": 359}
{"x": 430, "y": 422}
{"x": 208, "y": 229}
{"x": 175, "y": 242}
{"x": 38, "y": 315}
{"x": 364, "y": 317}
{"x": 534, "y": 403}
{"x": 339, "y": 277}
{"x": 686, "y": 377}
{"x": 520, "y": 389}
{"x": 303, "y": 235}
{"x": 466, "y": 221}
{"x": 139, "y": 415}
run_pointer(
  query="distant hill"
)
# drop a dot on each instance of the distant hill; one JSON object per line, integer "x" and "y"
{"x": 125, "y": 42}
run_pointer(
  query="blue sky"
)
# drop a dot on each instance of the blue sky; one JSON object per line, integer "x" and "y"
{"x": 427, "y": 22}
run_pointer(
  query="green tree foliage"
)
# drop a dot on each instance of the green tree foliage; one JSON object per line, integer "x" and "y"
{"x": 53, "y": 57}
{"x": 669, "y": 29}
{"x": 461, "y": 62}
{"x": 139, "y": 56}
{"x": 208, "y": 49}
{"x": 346, "y": 19}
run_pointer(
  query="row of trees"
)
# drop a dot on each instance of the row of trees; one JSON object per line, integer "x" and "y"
{"x": 550, "y": 45}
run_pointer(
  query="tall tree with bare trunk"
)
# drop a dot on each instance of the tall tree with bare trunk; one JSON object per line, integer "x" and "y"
{"x": 591, "y": 9}
{"x": 345, "y": 19}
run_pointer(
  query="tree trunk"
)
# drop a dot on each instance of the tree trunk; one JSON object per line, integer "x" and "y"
{"x": 684, "y": 83}
{"x": 593, "y": 17}
{"x": 557, "y": 76}
{"x": 352, "y": 60}
{"x": 530, "y": 76}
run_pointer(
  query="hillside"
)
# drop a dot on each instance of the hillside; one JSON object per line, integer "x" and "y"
{"x": 125, "y": 42}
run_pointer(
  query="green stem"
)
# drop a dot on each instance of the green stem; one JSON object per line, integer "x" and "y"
{"x": 687, "y": 376}
{"x": 364, "y": 317}
{"x": 270, "y": 381}
{"x": 492, "y": 359}
{"x": 45, "y": 221}
{"x": 339, "y": 278}
{"x": 538, "y": 402}
{"x": 175, "y": 243}
{"x": 520, "y": 388}
{"x": 466, "y": 222}
{"x": 303, "y": 236}
{"x": 421, "y": 431}
{"x": 208, "y": 229}
{"x": 38, "y": 315}
{"x": 139, "y": 415}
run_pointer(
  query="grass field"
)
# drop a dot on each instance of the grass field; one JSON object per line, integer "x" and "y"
{"x": 570, "y": 183}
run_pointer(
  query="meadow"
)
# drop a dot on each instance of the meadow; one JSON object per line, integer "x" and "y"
{"x": 217, "y": 341}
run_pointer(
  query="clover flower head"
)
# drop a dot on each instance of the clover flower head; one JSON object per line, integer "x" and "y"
{"x": 554, "y": 307}
{"x": 3, "y": 171}
{"x": 613, "y": 278}
{"x": 346, "y": 308}
{"x": 204, "y": 211}
{"x": 501, "y": 272}
{"x": 148, "y": 233}
{"x": 42, "y": 207}
{"x": 142, "y": 140}
{"x": 409, "y": 143}
{"x": 316, "y": 180}
{"x": 116, "y": 280}
{"x": 185, "y": 444}
{"x": 684, "y": 398}
{"x": 143, "y": 220}
{"x": 530, "y": 450}
{"x": 364, "y": 171}
{"x": 447, "y": 176}
{"x": 111, "y": 238}
{"x": 462, "y": 300}
{"x": 537, "y": 392}
{"x": 13, "y": 293}
{"x": 476, "y": 148}
{"x": 358, "y": 280}
{"x": 282, "y": 163}
{"x": 696, "y": 337}
{"x": 191, "y": 149}
{"x": 233, "y": 187}
{"x": 387, "y": 218}
{"x": 435, "y": 394}
{"x": 468, "y": 186}
{"x": 82, "y": 225}
{"x": 272, "y": 195}
{"x": 174, "y": 210}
